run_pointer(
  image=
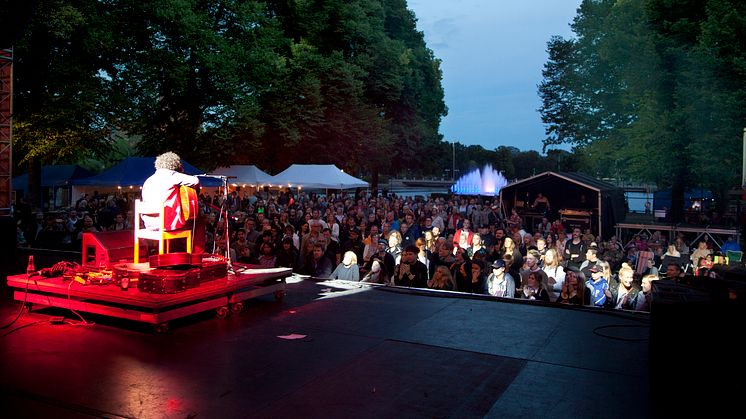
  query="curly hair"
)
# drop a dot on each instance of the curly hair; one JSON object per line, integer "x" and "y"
{"x": 169, "y": 160}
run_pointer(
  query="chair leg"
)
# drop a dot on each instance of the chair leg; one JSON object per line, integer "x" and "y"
{"x": 137, "y": 250}
{"x": 160, "y": 246}
{"x": 189, "y": 243}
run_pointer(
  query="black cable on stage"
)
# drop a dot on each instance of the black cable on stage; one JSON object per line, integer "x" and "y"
{"x": 609, "y": 326}
{"x": 20, "y": 311}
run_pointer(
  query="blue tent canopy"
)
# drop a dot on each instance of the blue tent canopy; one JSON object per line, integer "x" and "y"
{"x": 133, "y": 171}
{"x": 51, "y": 176}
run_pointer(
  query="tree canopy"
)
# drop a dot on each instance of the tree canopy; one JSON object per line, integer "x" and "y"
{"x": 651, "y": 90}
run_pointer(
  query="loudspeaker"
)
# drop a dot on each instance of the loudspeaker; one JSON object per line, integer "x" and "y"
{"x": 109, "y": 248}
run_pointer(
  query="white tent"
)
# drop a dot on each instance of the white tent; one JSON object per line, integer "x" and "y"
{"x": 317, "y": 176}
{"x": 248, "y": 175}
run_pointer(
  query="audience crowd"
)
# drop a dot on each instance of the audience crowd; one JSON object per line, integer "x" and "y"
{"x": 450, "y": 243}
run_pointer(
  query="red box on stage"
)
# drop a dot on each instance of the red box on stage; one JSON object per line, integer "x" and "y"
{"x": 108, "y": 248}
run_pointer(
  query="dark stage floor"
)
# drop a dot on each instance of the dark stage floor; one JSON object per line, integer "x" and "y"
{"x": 367, "y": 353}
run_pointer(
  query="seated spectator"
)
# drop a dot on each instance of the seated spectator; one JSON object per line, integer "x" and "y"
{"x": 318, "y": 266}
{"x": 442, "y": 279}
{"x": 410, "y": 272}
{"x": 597, "y": 285}
{"x": 477, "y": 277}
{"x": 646, "y": 296}
{"x": 701, "y": 252}
{"x": 347, "y": 270}
{"x": 535, "y": 287}
{"x": 673, "y": 271}
{"x": 287, "y": 256}
{"x": 374, "y": 274}
{"x": 625, "y": 293}
{"x": 500, "y": 283}
{"x": 573, "y": 290}
{"x": 267, "y": 256}
{"x": 730, "y": 244}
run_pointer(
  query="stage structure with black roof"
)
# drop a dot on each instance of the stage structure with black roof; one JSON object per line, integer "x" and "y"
{"x": 577, "y": 199}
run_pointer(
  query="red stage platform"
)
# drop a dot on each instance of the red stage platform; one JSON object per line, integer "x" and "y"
{"x": 222, "y": 294}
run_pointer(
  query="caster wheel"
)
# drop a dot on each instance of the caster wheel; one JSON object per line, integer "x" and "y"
{"x": 236, "y": 308}
{"x": 279, "y": 295}
{"x": 161, "y": 328}
{"x": 222, "y": 312}
{"x": 27, "y": 307}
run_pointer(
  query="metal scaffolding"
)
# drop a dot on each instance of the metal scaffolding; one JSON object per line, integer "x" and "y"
{"x": 6, "y": 129}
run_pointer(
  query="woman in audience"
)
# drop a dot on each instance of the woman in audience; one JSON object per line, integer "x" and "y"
{"x": 573, "y": 289}
{"x": 442, "y": 279}
{"x": 535, "y": 288}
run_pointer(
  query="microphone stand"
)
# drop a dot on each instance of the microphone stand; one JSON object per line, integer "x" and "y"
{"x": 224, "y": 216}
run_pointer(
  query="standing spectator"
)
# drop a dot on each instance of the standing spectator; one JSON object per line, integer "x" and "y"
{"x": 461, "y": 270}
{"x": 478, "y": 278}
{"x": 555, "y": 273}
{"x": 575, "y": 250}
{"x": 464, "y": 236}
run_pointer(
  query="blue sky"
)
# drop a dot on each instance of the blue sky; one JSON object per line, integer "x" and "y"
{"x": 492, "y": 54}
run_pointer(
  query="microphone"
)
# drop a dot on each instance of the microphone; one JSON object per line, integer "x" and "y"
{"x": 217, "y": 176}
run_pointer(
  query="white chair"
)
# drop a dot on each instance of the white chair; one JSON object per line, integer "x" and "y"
{"x": 162, "y": 236}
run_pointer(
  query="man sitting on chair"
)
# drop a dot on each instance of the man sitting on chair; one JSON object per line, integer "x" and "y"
{"x": 163, "y": 186}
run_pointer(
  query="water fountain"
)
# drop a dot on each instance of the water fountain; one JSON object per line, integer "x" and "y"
{"x": 488, "y": 182}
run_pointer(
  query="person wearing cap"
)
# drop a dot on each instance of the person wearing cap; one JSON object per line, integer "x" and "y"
{"x": 410, "y": 272}
{"x": 500, "y": 283}
{"x": 597, "y": 286}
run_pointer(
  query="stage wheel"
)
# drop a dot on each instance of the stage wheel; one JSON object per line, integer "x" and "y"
{"x": 222, "y": 312}
{"x": 279, "y": 295}
{"x": 161, "y": 328}
{"x": 236, "y": 308}
{"x": 27, "y": 307}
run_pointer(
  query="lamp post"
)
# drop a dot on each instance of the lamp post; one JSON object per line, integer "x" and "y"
{"x": 453, "y": 161}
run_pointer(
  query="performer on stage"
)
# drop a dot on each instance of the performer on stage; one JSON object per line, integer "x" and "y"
{"x": 164, "y": 186}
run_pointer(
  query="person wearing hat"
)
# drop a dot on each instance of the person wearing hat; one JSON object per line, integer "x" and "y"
{"x": 597, "y": 286}
{"x": 500, "y": 283}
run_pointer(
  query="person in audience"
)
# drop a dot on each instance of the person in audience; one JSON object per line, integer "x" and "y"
{"x": 573, "y": 290}
{"x": 701, "y": 252}
{"x": 476, "y": 250}
{"x": 461, "y": 270}
{"x": 535, "y": 287}
{"x": 554, "y": 271}
{"x": 319, "y": 266}
{"x": 424, "y": 256}
{"x": 500, "y": 283}
{"x": 646, "y": 296}
{"x": 442, "y": 279}
{"x": 624, "y": 293}
{"x": 575, "y": 250}
{"x": 597, "y": 285}
{"x": 287, "y": 256}
{"x": 410, "y": 272}
{"x": 348, "y": 269}
{"x": 478, "y": 277}
{"x": 394, "y": 244}
{"x": 267, "y": 256}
